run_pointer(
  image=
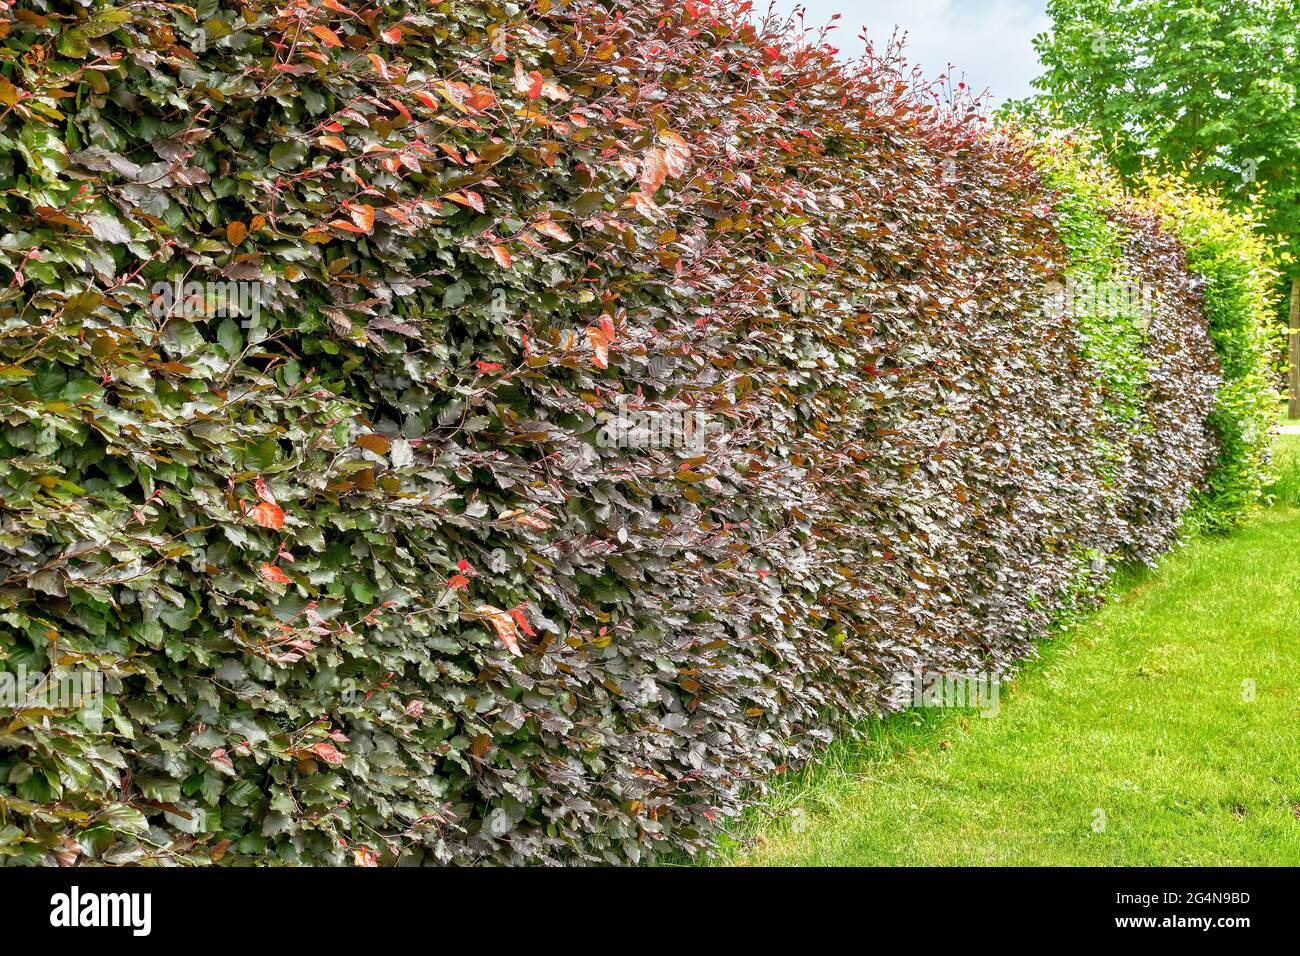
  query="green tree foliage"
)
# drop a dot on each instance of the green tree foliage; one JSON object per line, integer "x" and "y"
{"x": 1205, "y": 87}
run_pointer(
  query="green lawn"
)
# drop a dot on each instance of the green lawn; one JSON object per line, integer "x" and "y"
{"x": 1164, "y": 729}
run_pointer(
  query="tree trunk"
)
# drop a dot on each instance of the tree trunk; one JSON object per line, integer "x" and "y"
{"x": 1293, "y": 348}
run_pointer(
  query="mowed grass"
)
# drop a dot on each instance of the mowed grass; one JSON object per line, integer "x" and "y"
{"x": 1162, "y": 730}
{"x": 1286, "y": 490}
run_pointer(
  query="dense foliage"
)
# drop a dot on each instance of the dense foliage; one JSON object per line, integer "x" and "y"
{"x": 1106, "y": 305}
{"x": 376, "y": 576}
{"x": 1234, "y": 265}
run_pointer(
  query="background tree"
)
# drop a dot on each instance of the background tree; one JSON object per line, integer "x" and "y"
{"x": 1202, "y": 86}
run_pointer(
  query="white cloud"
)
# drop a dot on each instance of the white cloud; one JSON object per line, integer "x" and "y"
{"x": 987, "y": 40}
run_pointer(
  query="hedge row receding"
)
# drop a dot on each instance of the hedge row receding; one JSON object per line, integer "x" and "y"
{"x": 626, "y": 396}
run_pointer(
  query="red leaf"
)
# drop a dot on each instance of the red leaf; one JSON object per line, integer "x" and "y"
{"x": 653, "y": 171}
{"x": 467, "y": 198}
{"x": 269, "y": 515}
{"x": 530, "y": 84}
{"x": 643, "y": 204}
{"x": 485, "y": 367}
{"x": 554, "y": 91}
{"x": 548, "y": 227}
{"x": 504, "y": 625}
{"x": 327, "y": 36}
{"x": 393, "y": 35}
{"x": 676, "y": 153}
{"x": 364, "y": 856}
{"x": 457, "y": 581}
{"x": 522, "y": 621}
{"x": 599, "y": 346}
{"x": 607, "y": 326}
{"x": 262, "y": 491}
{"x": 327, "y": 752}
{"x": 397, "y": 105}
{"x": 333, "y": 142}
{"x": 273, "y": 574}
{"x": 362, "y": 215}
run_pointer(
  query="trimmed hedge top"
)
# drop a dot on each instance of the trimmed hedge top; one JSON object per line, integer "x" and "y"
{"x": 372, "y": 564}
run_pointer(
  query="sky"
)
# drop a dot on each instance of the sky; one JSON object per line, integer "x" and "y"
{"x": 988, "y": 40}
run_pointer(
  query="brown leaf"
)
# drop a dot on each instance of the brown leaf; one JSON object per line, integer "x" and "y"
{"x": 376, "y": 442}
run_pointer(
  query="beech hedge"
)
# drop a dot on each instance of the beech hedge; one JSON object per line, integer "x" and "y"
{"x": 1231, "y": 258}
{"x": 626, "y": 396}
